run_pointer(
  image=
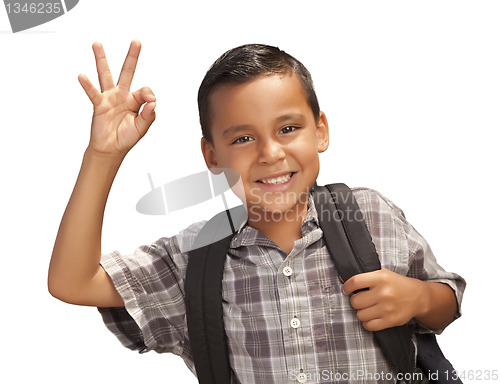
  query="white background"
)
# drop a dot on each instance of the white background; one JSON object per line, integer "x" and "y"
{"x": 412, "y": 93}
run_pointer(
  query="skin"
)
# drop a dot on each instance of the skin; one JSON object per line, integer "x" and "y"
{"x": 263, "y": 145}
{"x": 262, "y": 129}
{"x": 393, "y": 300}
{"x": 75, "y": 275}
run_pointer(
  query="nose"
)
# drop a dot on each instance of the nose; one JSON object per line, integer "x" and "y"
{"x": 270, "y": 151}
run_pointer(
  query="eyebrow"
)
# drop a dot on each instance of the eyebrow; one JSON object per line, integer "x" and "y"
{"x": 235, "y": 129}
{"x": 290, "y": 116}
{"x": 280, "y": 119}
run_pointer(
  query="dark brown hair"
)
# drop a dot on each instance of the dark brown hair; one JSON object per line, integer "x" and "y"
{"x": 245, "y": 63}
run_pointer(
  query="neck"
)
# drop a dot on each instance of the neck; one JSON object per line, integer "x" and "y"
{"x": 281, "y": 227}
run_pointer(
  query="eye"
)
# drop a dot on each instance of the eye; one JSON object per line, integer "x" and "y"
{"x": 288, "y": 129}
{"x": 242, "y": 139}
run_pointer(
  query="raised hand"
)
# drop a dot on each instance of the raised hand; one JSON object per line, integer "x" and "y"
{"x": 117, "y": 124}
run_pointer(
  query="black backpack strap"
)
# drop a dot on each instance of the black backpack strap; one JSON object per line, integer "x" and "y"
{"x": 203, "y": 296}
{"x": 203, "y": 287}
{"x": 350, "y": 245}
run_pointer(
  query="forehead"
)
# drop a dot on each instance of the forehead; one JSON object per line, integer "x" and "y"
{"x": 257, "y": 101}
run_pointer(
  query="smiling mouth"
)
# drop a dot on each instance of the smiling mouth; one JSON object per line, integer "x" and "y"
{"x": 277, "y": 180}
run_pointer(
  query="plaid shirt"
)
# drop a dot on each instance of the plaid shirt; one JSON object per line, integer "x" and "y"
{"x": 285, "y": 316}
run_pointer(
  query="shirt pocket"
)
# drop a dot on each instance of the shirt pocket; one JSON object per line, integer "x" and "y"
{"x": 328, "y": 305}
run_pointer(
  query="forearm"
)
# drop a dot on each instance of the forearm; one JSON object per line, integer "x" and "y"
{"x": 77, "y": 250}
{"x": 438, "y": 305}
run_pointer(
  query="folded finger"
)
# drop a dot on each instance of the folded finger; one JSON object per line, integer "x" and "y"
{"x": 360, "y": 281}
{"x": 105, "y": 78}
{"x": 94, "y": 95}
{"x": 144, "y": 120}
{"x": 363, "y": 299}
{"x": 144, "y": 95}
{"x": 376, "y": 325}
{"x": 129, "y": 65}
{"x": 369, "y": 314}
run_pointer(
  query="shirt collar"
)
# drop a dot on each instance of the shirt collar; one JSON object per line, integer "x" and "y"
{"x": 247, "y": 235}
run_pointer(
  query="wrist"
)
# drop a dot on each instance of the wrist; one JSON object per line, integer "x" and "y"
{"x": 438, "y": 305}
{"x": 423, "y": 301}
{"x": 100, "y": 167}
{"x": 103, "y": 157}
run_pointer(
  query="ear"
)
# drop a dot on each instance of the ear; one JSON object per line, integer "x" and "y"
{"x": 208, "y": 150}
{"x": 322, "y": 132}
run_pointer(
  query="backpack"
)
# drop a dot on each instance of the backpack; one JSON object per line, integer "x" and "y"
{"x": 352, "y": 254}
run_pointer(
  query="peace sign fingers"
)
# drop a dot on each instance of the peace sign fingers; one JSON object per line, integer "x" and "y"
{"x": 128, "y": 69}
{"x": 117, "y": 124}
{"x": 105, "y": 78}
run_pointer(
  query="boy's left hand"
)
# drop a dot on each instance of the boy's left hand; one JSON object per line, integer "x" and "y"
{"x": 391, "y": 299}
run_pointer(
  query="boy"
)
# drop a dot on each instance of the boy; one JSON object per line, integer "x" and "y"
{"x": 287, "y": 316}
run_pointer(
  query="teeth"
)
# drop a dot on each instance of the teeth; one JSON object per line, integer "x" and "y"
{"x": 277, "y": 180}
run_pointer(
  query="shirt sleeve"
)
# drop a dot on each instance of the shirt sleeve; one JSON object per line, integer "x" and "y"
{"x": 151, "y": 284}
{"x": 422, "y": 264}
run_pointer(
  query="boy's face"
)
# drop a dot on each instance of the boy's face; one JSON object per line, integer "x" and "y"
{"x": 265, "y": 130}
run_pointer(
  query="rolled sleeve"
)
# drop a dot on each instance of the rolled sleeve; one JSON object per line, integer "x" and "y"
{"x": 151, "y": 284}
{"x": 402, "y": 249}
{"x": 425, "y": 267}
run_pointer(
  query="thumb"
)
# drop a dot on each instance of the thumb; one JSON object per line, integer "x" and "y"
{"x": 144, "y": 120}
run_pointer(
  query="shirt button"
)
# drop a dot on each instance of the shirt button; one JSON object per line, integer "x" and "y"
{"x": 295, "y": 323}
{"x": 287, "y": 271}
{"x": 301, "y": 377}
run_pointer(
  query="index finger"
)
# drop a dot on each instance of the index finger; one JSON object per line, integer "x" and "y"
{"x": 359, "y": 282}
{"x": 105, "y": 78}
{"x": 129, "y": 65}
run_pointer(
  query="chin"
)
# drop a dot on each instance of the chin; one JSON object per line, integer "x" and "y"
{"x": 277, "y": 211}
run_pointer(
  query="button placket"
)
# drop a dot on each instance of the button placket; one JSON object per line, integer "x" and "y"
{"x": 297, "y": 338}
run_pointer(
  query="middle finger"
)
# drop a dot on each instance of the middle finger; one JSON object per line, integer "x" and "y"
{"x": 129, "y": 65}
